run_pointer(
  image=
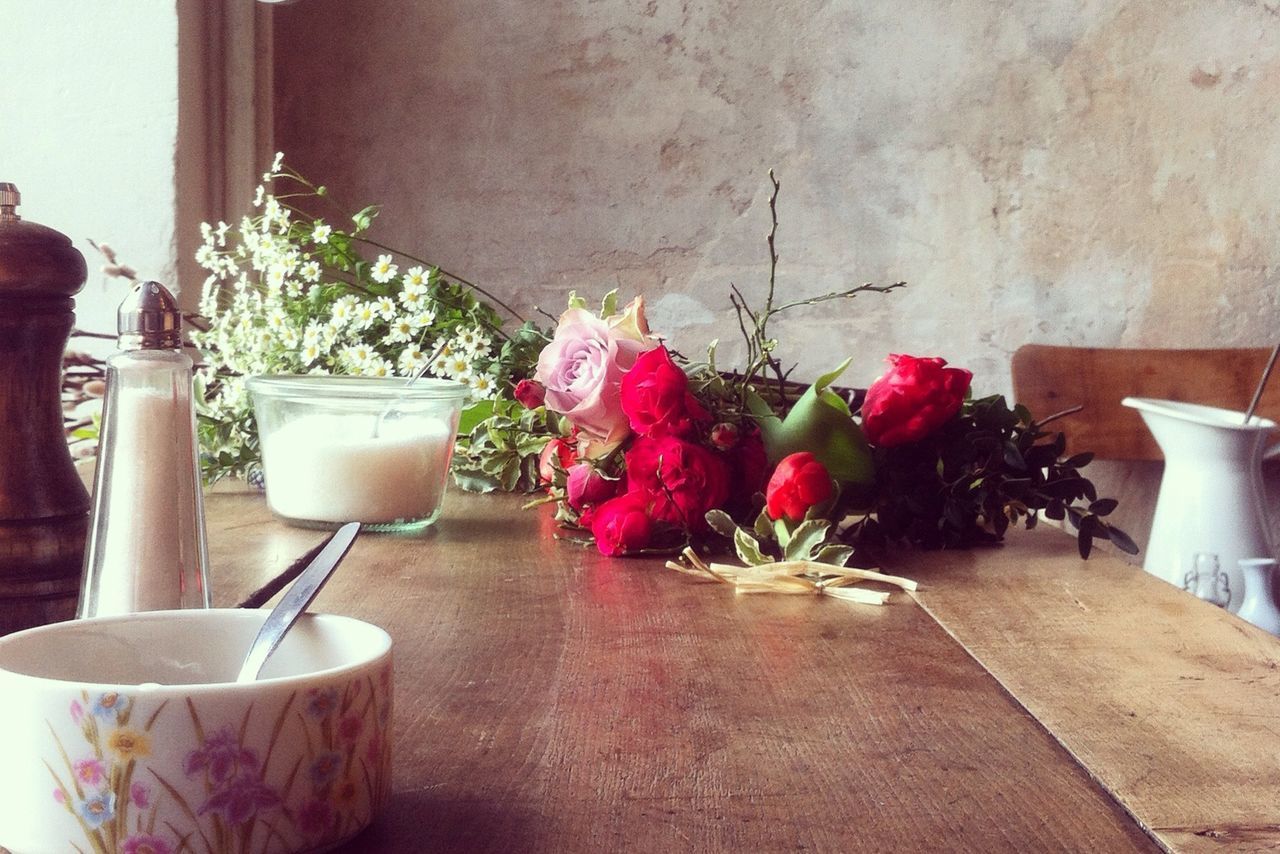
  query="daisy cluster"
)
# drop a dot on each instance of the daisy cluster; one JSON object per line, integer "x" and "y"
{"x": 290, "y": 293}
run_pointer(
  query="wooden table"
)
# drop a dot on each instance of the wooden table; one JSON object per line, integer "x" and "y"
{"x": 549, "y": 699}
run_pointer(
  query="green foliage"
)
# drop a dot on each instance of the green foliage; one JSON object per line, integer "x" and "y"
{"x": 820, "y": 422}
{"x": 769, "y": 541}
{"x": 500, "y": 447}
{"x": 988, "y": 468}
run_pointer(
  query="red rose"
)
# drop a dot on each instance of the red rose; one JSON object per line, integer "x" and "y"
{"x": 557, "y": 452}
{"x": 914, "y": 398}
{"x": 798, "y": 483}
{"x": 529, "y": 394}
{"x": 586, "y": 486}
{"x": 683, "y": 480}
{"x": 622, "y": 524}
{"x": 656, "y": 398}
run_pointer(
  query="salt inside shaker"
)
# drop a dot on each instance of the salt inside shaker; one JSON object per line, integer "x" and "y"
{"x": 146, "y": 548}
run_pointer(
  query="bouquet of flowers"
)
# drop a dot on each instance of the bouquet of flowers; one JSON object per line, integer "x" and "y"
{"x": 644, "y": 451}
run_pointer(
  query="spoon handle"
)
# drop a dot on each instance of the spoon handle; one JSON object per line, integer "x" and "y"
{"x": 296, "y": 599}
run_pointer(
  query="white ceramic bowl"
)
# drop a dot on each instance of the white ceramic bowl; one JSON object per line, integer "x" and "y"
{"x": 126, "y": 734}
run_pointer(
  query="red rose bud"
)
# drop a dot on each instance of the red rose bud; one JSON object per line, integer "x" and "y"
{"x": 622, "y": 525}
{"x": 724, "y": 435}
{"x": 529, "y": 394}
{"x": 656, "y": 398}
{"x": 798, "y": 483}
{"x": 681, "y": 480}
{"x": 557, "y": 451}
{"x": 913, "y": 399}
{"x": 587, "y": 486}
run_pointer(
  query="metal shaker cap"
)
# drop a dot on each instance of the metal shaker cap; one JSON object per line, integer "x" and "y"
{"x": 149, "y": 319}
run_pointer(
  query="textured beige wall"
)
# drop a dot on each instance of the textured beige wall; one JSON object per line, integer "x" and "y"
{"x": 1089, "y": 172}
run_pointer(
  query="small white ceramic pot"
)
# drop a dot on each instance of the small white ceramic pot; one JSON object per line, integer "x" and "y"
{"x": 127, "y": 735}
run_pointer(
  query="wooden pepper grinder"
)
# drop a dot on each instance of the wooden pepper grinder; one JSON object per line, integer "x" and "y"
{"x": 44, "y": 507}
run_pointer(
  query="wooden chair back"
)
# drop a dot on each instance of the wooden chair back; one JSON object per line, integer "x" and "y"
{"x": 1048, "y": 379}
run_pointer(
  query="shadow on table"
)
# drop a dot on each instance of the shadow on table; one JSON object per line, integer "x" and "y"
{"x": 422, "y": 821}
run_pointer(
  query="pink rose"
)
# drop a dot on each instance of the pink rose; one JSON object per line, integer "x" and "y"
{"x": 557, "y": 455}
{"x": 586, "y": 486}
{"x": 582, "y": 370}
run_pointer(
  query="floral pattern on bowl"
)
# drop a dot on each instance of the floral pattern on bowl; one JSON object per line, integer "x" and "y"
{"x": 305, "y": 775}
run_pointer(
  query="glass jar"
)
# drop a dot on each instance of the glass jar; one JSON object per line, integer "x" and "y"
{"x": 356, "y": 449}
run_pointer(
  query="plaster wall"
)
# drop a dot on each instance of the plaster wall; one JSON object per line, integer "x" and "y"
{"x": 1091, "y": 172}
{"x": 88, "y": 132}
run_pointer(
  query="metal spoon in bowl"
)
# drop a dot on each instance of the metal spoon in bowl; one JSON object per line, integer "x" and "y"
{"x": 296, "y": 599}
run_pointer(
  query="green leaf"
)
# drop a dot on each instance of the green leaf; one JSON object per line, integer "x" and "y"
{"x": 820, "y": 423}
{"x": 781, "y": 532}
{"x": 748, "y": 549}
{"x": 806, "y": 539}
{"x": 609, "y": 305}
{"x": 721, "y": 523}
{"x": 763, "y": 525}
{"x": 1122, "y": 541}
{"x": 834, "y": 554}
{"x": 473, "y": 415}
{"x": 576, "y": 301}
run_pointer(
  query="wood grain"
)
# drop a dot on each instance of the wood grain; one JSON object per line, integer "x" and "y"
{"x": 549, "y": 699}
{"x": 1167, "y": 700}
{"x": 1050, "y": 379}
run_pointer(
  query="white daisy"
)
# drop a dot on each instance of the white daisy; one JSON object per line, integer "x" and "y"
{"x": 458, "y": 367}
{"x": 383, "y": 270}
{"x": 416, "y": 279}
{"x": 411, "y": 299}
{"x": 378, "y": 368}
{"x": 424, "y": 318}
{"x": 357, "y": 355}
{"x": 320, "y": 234}
{"x": 402, "y": 329}
{"x": 276, "y": 318}
{"x": 411, "y": 360}
{"x": 363, "y": 315}
{"x": 310, "y": 271}
{"x": 482, "y": 386}
{"x": 386, "y": 308}
{"x": 343, "y": 310}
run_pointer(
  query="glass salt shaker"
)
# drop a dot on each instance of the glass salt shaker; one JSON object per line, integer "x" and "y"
{"x": 146, "y": 549}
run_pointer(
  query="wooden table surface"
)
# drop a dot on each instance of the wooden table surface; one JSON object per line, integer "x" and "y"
{"x": 549, "y": 699}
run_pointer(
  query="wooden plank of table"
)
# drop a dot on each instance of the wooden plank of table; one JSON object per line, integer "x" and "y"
{"x": 548, "y": 699}
{"x": 1167, "y": 700}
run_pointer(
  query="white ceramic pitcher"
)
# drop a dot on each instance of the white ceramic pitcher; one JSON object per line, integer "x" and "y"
{"x": 1211, "y": 499}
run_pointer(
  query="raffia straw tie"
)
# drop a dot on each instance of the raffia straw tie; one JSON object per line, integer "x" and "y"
{"x": 792, "y": 577}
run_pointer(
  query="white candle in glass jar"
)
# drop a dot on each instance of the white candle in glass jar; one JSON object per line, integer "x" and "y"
{"x": 332, "y": 468}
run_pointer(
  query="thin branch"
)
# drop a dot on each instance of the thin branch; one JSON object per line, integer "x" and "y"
{"x": 773, "y": 233}
{"x": 866, "y": 287}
